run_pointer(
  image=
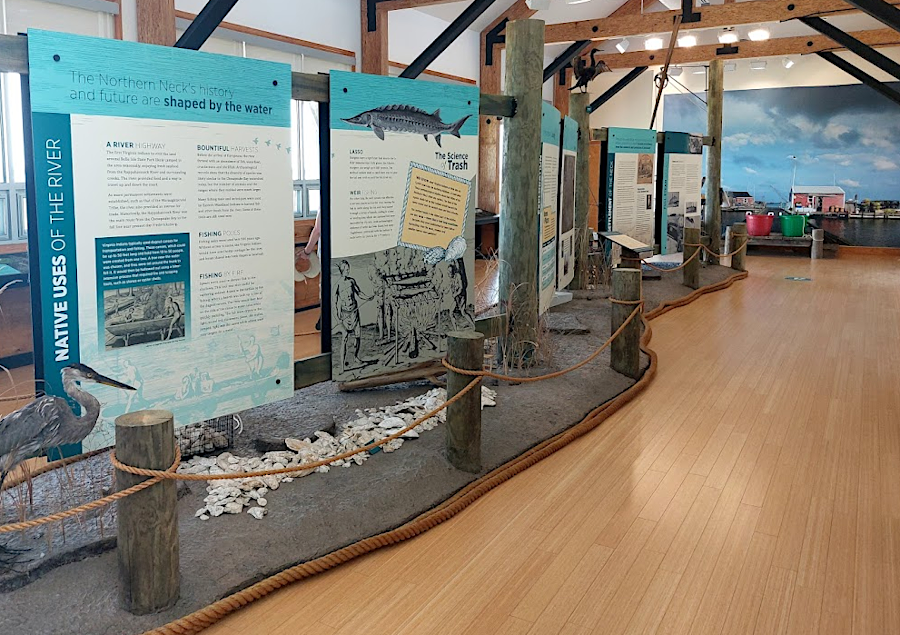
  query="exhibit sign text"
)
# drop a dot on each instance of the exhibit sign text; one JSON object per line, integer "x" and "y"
{"x": 682, "y": 179}
{"x": 629, "y": 188}
{"x": 163, "y": 225}
{"x": 549, "y": 204}
{"x": 403, "y": 169}
{"x": 566, "y": 244}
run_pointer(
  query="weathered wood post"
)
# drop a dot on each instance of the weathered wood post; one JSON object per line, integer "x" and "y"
{"x": 147, "y": 543}
{"x": 519, "y": 197}
{"x": 738, "y": 238}
{"x": 691, "y": 270}
{"x": 465, "y": 350}
{"x": 714, "y": 100}
{"x": 818, "y": 244}
{"x": 625, "y": 351}
{"x": 578, "y": 110}
{"x": 729, "y": 238}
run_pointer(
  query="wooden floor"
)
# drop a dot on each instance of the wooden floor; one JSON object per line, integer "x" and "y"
{"x": 754, "y": 487}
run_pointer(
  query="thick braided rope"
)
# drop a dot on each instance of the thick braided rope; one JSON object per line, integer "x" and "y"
{"x": 714, "y": 254}
{"x": 205, "y": 617}
{"x": 17, "y": 398}
{"x": 559, "y": 373}
{"x": 670, "y": 269}
{"x": 168, "y": 474}
{"x": 100, "y": 502}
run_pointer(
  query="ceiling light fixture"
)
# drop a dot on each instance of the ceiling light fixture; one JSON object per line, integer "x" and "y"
{"x": 759, "y": 34}
{"x": 675, "y": 71}
{"x": 758, "y": 65}
{"x": 699, "y": 70}
{"x": 538, "y": 5}
{"x": 576, "y": 1}
{"x": 787, "y": 62}
{"x": 622, "y": 46}
{"x": 730, "y": 66}
{"x": 687, "y": 41}
{"x": 728, "y": 36}
{"x": 653, "y": 43}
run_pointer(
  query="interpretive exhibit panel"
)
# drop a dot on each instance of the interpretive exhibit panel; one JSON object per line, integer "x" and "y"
{"x": 630, "y": 170}
{"x": 566, "y": 244}
{"x": 682, "y": 179}
{"x": 403, "y": 170}
{"x": 549, "y": 204}
{"x": 164, "y": 225}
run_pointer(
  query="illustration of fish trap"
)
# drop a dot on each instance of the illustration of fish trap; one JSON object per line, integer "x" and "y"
{"x": 208, "y": 436}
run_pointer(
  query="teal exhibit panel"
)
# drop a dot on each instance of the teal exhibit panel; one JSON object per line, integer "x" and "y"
{"x": 629, "y": 167}
{"x": 403, "y": 169}
{"x": 566, "y": 245}
{"x": 549, "y": 204}
{"x": 164, "y": 228}
{"x": 679, "y": 194}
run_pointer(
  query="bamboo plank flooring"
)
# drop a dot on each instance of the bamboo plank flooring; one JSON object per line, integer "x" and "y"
{"x": 753, "y": 488}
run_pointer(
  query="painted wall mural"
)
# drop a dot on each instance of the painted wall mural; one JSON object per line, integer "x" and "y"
{"x": 848, "y": 136}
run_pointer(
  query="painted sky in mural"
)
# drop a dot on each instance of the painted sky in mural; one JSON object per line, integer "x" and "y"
{"x": 841, "y": 135}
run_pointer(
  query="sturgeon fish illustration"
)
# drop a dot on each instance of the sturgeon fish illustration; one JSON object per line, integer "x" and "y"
{"x": 408, "y": 119}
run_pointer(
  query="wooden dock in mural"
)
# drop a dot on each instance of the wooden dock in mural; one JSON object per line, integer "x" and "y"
{"x": 788, "y": 243}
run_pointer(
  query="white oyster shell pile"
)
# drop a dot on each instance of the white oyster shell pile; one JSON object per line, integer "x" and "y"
{"x": 231, "y": 496}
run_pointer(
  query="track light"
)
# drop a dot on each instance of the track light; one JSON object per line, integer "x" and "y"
{"x": 758, "y": 65}
{"x": 538, "y": 5}
{"x": 687, "y": 41}
{"x": 653, "y": 43}
{"x": 675, "y": 71}
{"x": 622, "y": 46}
{"x": 576, "y": 1}
{"x": 759, "y": 34}
{"x": 787, "y": 62}
{"x": 728, "y": 36}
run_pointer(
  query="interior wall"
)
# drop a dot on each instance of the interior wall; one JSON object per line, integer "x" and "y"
{"x": 631, "y": 108}
{"x": 410, "y": 32}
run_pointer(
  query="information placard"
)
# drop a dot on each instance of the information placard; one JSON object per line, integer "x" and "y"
{"x": 630, "y": 172}
{"x": 682, "y": 179}
{"x": 549, "y": 204}
{"x": 404, "y": 163}
{"x": 566, "y": 245}
{"x": 164, "y": 225}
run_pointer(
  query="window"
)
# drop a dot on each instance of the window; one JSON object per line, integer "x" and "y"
{"x": 12, "y": 161}
{"x": 305, "y": 158}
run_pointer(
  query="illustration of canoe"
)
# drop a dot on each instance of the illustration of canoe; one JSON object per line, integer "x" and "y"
{"x": 126, "y": 330}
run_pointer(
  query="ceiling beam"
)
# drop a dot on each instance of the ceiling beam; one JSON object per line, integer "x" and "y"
{"x": 207, "y": 21}
{"x": 862, "y": 76}
{"x": 880, "y": 10}
{"x": 631, "y": 7}
{"x": 714, "y": 16}
{"x": 393, "y": 5}
{"x": 565, "y": 58}
{"x": 768, "y": 48}
{"x": 855, "y": 46}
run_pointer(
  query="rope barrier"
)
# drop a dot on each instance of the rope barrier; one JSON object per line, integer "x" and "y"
{"x": 96, "y": 504}
{"x": 693, "y": 256}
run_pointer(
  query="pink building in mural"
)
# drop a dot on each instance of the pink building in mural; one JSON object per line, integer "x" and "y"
{"x": 819, "y": 198}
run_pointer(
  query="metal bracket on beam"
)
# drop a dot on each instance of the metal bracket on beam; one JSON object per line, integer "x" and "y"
{"x": 632, "y": 75}
{"x": 851, "y": 43}
{"x": 688, "y": 15}
{"x": 563, "y": 75}
{"x": 728, "y": 50}
{"x": 491, "y": 39}
{"x": 445, "y": 39}
{"x": 207, "y": 21}
{"x": 862, "y": 76}
{"x": 372, "y": 15}
{"x": 565, "y": 58}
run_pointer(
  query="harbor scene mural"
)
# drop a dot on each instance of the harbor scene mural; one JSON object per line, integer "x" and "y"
{"x": 832, "y": 152}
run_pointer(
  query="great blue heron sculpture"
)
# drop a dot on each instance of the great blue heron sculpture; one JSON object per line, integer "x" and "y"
{"x": 48, "y": 422}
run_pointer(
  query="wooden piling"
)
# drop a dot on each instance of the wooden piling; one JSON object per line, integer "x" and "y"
{"x": 818, "y": 244}
{"x": 625, "y": 351}
{"x": 578, "y": 105}
{"x": 738, "y": 238}
{"x": 691, "y": 271}
{"x": 714, "y": 98}
{"x": 147, "y": 543}
{"x": 463, "y": 429}
{"x": 519, "y": 197}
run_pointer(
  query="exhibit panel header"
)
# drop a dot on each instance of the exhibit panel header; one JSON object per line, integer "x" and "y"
{"x": 74, "y": 74}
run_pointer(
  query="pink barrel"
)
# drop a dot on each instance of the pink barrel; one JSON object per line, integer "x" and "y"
{"x": 759, "y": 224}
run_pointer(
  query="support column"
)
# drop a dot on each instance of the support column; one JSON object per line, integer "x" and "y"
{"x": 489, "y": 138}
{"x": 561, "y": 92}
{"x": 691, "y": 271}
{"x": 147, "y": 542}
{"x": 818, "y": 244}
{"x": 522, "y": 149}
{"x": 714, "y": 97}
{"x": 156, "y": 22}
{"x": 465, "y": 350}
{"x": 373, "y": 44}
{"x": 578, "y": 110}
{"x": 738, "y": 238}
